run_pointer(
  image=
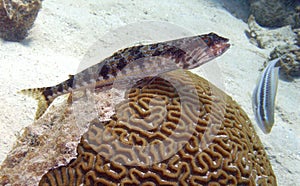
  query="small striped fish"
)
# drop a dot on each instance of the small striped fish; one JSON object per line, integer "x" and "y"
{"x": 142, "y": 60}
{"x": 264, "y": 96}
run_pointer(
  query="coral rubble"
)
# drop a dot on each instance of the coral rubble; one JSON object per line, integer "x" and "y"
{"x": 285, "y": 44}
{"x": 289, "y": 62}
{"x": 276, "y": 13}
{"x": 17, "y": 17}
{"x": 51, "y": 141}
{"x": 265, "y": 38}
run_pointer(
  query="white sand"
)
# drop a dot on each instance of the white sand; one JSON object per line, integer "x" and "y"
{"x": 64, "y": 31}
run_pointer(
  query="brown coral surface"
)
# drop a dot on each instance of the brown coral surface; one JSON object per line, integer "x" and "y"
{"x": 17, "y": 17}
{"x": 177, "y": 129}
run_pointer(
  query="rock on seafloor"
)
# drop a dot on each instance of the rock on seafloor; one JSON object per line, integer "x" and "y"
{"x": 173, "y": 129}
{"x": 266, "y": 38}
{"x": 52, "y": 140}
{"x": 17, "y": 18}
{"x": 285, "y": 44}
{"x": 290, "y": 61}
{"x": 276, "y": 13}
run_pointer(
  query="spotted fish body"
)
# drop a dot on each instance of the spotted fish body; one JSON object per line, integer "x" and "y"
{"x": 136, "y": 61}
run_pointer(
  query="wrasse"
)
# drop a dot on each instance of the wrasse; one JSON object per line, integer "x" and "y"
{"x": 264, "y": 96}
{"x": 142, "y": 60}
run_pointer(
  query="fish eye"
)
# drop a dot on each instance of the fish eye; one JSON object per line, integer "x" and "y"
{"x": 207, "y": 41}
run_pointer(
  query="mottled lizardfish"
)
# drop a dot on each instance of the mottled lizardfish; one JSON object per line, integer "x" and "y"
{"x": 264, "y": 96}
{"x": 184, "y": 53}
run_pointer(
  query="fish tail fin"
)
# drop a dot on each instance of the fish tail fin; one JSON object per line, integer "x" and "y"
{"x": 39, "y": 95}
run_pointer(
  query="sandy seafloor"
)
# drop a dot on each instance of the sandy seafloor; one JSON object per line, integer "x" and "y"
{"x": 65, "y": 30}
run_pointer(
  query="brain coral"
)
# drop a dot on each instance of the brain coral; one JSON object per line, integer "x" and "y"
{"x": 172, "y": 130}
{"x": 17, "y": 17}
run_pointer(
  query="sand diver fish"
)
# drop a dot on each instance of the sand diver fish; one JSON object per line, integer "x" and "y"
{"x": 184, "y": 53}
{"x": 264, "y": 96}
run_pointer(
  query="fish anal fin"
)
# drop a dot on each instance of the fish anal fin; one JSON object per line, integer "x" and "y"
{"x": 70, "y": 98}
{"x": 43, "y": 104}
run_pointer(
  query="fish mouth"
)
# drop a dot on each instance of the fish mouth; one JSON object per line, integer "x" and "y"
{"x": 217, "y": 44}
{"x": 220, "y": 48}
{"x": 220, "y": 45}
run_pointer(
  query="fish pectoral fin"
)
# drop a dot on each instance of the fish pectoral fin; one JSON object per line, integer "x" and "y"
{"x": 38, "y": 94}
{"x": 70, "y": 98}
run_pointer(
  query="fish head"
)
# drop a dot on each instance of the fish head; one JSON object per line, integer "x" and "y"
{"x": 204, "y": 48}
{"x": 216, "y": 44}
